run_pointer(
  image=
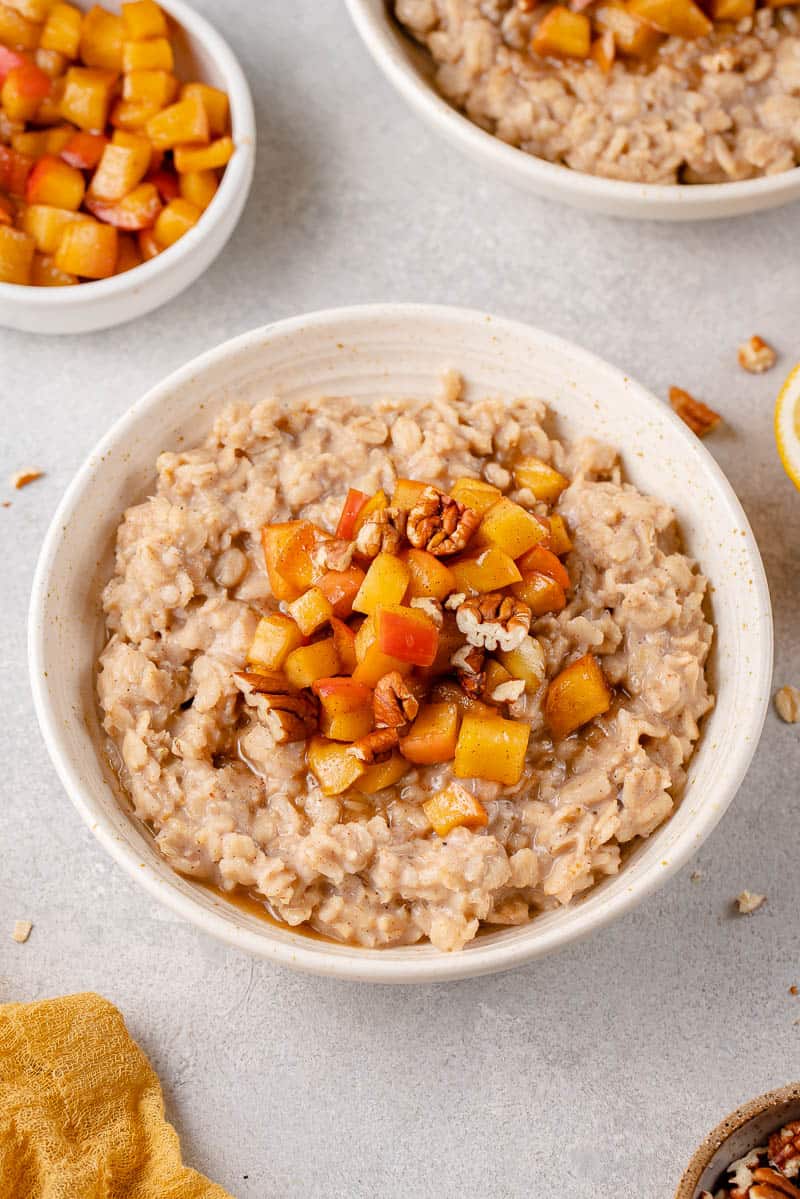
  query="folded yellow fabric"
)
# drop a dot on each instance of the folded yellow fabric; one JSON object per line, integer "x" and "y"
{"x": 81, "y": 1110}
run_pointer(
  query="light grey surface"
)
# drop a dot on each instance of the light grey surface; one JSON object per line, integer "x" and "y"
{"x": 592, "y": 1073}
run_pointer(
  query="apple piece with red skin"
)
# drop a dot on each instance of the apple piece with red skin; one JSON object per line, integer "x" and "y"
{"x": 166, "y": 182}
{"x": 9, "y": 60}
{"x": 353, "y": 504}
{"x": 14, "y": 171}
{"x": 84, "y": 150}
{"x": 138, "y": 210}
{"x": 345, "y": 641}
{"x": 23, "y": 90}
{"x": 340, "y": 588}
{"x": 544, "y": 562}
{"x": 406, "y": 634}
{"x": 54, "y": 182}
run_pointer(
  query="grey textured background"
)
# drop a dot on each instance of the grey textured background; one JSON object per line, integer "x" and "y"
{"x": 591, "y": 1073}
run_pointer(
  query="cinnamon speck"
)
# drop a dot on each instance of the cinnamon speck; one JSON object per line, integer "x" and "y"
{"x": 28, "y": 474}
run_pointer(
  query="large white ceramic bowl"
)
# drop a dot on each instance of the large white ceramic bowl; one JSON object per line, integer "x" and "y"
{"x": 410, "y": 69}
{"x": 200, "y": 53}
{"x": 398, "y": 350}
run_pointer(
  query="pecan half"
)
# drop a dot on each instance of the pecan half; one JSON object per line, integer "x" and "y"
{"x": 393, "y": 705}
{"x": 698, "y": 416}
{"x": 375, "y": 747}
{"x": 381, "y": 533}
{"x": 756, "y": 355}
{"x": 784, "y": 1149}
{"x": 439, "y": 524}
{"x": 333, "y": 554}
{"x": 494, "y": 620}
{"x": 769, "y": 1184}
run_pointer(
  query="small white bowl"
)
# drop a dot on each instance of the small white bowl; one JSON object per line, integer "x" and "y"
{"x": 200, "y": 53}
{"x": 410, "y": 69}
{"x": 398, "y": 350}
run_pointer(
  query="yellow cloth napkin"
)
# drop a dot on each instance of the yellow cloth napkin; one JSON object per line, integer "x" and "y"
{"x": 81, "y": 1110}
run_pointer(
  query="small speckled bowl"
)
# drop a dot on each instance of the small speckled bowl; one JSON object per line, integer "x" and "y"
{"x": 748, "y": 1127}
{"x": 400, "y": 350}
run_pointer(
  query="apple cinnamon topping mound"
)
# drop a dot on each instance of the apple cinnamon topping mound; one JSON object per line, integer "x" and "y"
{"x": 766, "y": 1172}
{"x": 402, "y": 672}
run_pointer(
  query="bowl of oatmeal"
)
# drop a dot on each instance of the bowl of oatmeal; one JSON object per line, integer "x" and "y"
{"x": 634, "y": 108}
{"x": 398, "y": 658}
{"x": 754, "y": 1153}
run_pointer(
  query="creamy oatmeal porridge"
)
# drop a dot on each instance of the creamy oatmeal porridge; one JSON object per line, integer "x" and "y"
{"x": 602, "y": 88}
{"x": 401, "y": 670}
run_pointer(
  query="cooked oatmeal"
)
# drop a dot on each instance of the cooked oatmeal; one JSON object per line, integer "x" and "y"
{"x": 719, "y": 107}
{"x": 466, "y": 791}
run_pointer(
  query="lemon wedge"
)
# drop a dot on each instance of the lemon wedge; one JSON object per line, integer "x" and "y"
{"x": 787, "y": 426}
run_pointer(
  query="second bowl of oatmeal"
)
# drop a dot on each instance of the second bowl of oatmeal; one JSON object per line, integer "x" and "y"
{"x": 397, "y": 655}
{"x": 631, "y": 121}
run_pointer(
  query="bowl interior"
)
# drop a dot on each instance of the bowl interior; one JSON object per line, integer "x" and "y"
{"x": 747, "y": 1128}
{"x": 400, "y": 351}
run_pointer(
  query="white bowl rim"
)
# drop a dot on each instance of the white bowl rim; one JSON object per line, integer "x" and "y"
{"x": 234, "y": 178}
{"x": 306, "y": 953}
{"x": 700, "y": 198}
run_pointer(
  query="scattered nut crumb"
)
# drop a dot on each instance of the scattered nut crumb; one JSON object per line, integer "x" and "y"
{"x": 22, "y": 930}
{"x": 756, "y": 355}
{"x": 793, "y": 990}
{"x": 696, "y": 875}
{"x": 23, "y": 477}
{"x": 787, "y": 704}
{"x": 698, "y": 416}
{"x": 749, "y": 902}
{"x": 6, "y": 503}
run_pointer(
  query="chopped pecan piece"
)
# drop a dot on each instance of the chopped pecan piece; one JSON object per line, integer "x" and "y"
{"x": 494, "y": 620}
{"x": 375, "y": 747}
{"x": 28, "y": 475}
{"x": 333, "y": 554}
{"x": 756, "y": 355}
{"x": 769, "y": 1184}
{"x": 698, "y": 416}
{"x": 439, "y": 524}
{"x": 393, "y": 705}
{"x": 468, "y": 662}
{"x": 431, "y": 607}
{"x": 509, "y": 692}
{"x": 784, "y": 1149}
{"x": 288, "y": 717}
{"x": 381, "y": 533}
{"x": 787, "y": 704}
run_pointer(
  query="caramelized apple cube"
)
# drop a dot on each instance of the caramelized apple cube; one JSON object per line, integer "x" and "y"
{"x": 732, "y": 10}
{"x": 345, "y": 708}
{"x": 51, "y": 62}
{"x": 119, "y": 170}
{"x": 372, "y": 662}
{"x": 204, "y": 158}
{"x": 62, "y": 30}
{"x": 333, "y": 767}
{"x": 179, "y": 123}
{"x": 428, "y": 575}
{"x": 148, "y": 246}
{"x": 454, "y": 807}
{"x": 384, "y": 583}
{"x": 133, "y": 115}
{"x": 149, "y": 87}
{"x": 87, "y": 97}
{"x": 102, "y": 35}
{"x": 310, "y": 611}
{"x": 310, "y": 662}
{"x": 544, "y": 562}
{"x": 341, "y": 587}
{"x": 406, "y": 493}
{"x": 87, "y": 248}
{"x": 355, "y": 499}
{"x": 475, "y": 494}
{"x": 543, "y": 480}
{"x": 344, "y": 639}
{"x": 489, "y": 569}
{"x": 128, "y": 253}
{"x": 275, "y": 638}
{"x": 215, "y": 103}
{"x": 432, "y": 737}
{"x": 138, "y": 210}
{"x": 155, "y": 54}
{"x": 46, "y": 225}
{"x": 632, "y": 36}
{"x": 53, "y": 181}
{"x": 380, "y": 775}
{"x": 558, "y": 540}
{"x": 493, "y": 748}
{"x": 174, "y": 220}
{"x": 275, "y": 540}
{"x": 143, "y": 19}
{"x": 563, "y": 34}
{"x": 84, "y": 150}
{"x": 16, "y": 255}
{"x": 406, "y": 633}
{"x": 17, "y": 32}
{"x": 526, "y": 662}
{"x": 541, "y": 593}
{"x": 678, "y": 18}
{"x": 45, "y": 273}
{"x": 575, "y": 696}
{"x": 9, "y": 59}
{"x": 23, "y": 90}
{"x": 14, "y": 171}
{"x": 510, "y": 527}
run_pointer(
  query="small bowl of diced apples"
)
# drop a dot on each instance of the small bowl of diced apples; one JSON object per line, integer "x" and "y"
{"x": 127, "y": 142}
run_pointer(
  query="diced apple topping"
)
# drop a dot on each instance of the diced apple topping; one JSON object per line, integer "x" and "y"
{"x": 423, "y": 653}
